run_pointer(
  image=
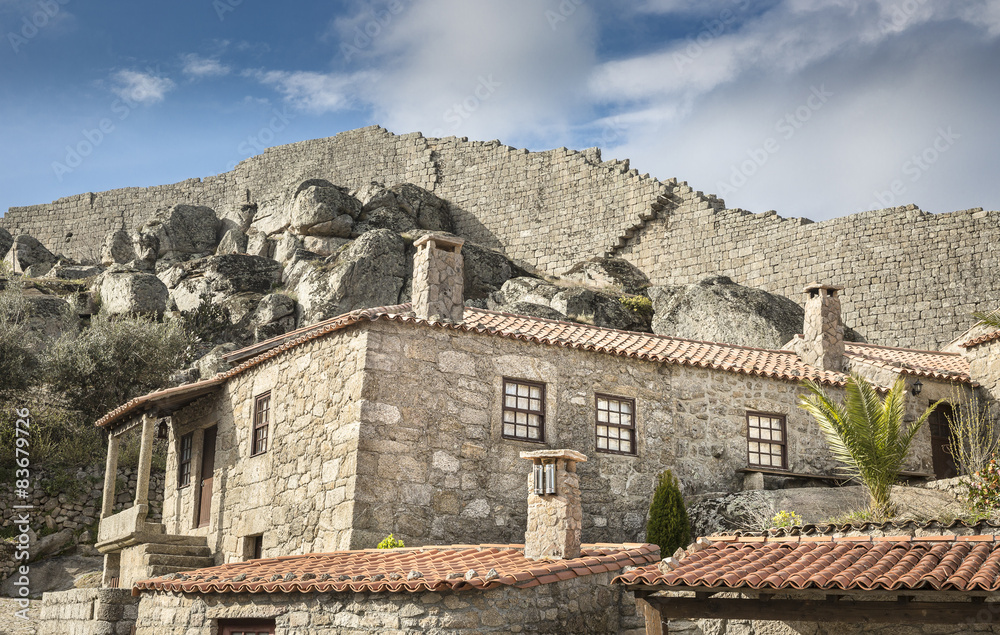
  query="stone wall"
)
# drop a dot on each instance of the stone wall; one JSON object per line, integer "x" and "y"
{"x": 88, "y": 612}
{"x": 581, "y": 605}
{"x": 911, "y": 278}
{"x": 299, "y": 493}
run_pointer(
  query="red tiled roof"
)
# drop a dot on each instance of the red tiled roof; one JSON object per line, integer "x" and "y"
{"x": 907, "y": 361}
{"x": 959, "y": 563}
{"x": 456, "y": 567}
{"x": 777, "y": 364}
{"x": 982, "y": 339}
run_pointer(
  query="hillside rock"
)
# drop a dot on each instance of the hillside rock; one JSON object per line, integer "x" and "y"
{"x": 234, "y": 241}
{"x": 6, "y": 241}
{"x": 25, "y": 252}
{"x": 486, "y": 271}
{"x": 133, "y": 293}
{"x": 371, "y": 272}
{"x": 65, "y": 271}
{"x": 401, "y": 208}
{"x": 274, "y": 315}
{"x": 577, "y": 304}
{"x": 180, "y": 232}
{"x": 239, "y": 273}
{"x": 320, "y": 209}
{"x": 717, "y": 309}
{"x": 213, "y": 362}
{"x": 48, "y": 315}
{"x": 117, "y": 248}
{"x": 616, "y": 273}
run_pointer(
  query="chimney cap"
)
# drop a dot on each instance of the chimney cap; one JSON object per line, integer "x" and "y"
{"x": 570, "y": 455}
{"x": 441, "y": 241}
{"x": 813, "y": 286}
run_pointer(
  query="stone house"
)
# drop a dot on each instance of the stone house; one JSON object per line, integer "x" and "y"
{"x": 410, "y": 419}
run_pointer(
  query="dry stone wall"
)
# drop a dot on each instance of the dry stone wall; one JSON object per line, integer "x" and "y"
{"x": 911, "y": 278}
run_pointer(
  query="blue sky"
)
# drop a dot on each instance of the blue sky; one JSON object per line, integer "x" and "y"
{"x": 815, "y": 108}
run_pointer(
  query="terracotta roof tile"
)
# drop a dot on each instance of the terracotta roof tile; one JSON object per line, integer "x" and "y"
{"x": 777, "y": 364}
{"x": 939, "y": 563}
{"x": 982, "y": 339}
{"x": 439, "y": 568}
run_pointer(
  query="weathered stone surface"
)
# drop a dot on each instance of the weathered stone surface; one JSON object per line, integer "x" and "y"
{"x": 49, "y": 315}
{"x": 259, "y": 244}
{"x": 117, "y": 248}
{"x": 6, "y": 240}
{"x": 401, "y": 208}
{"x": 603, "y": 272}
{"x": 523, "y": 295}
{"x": 234, "y": 241}
{"x": 212, "y": 362}
{"x": 64, "y": 271}
{"x": 322, "y": 210}
{"x": 368, "y": 273}
{"x": 486, "y": 271}
{"x": 237, "y": 273}
{"x": 52, "y": 544}
{"x": 181, "y": 231}
{"x": 26, "y": 251}
{"x": 719, "y": 310}
{"x": 274, "y": 315}
{"x": 133, "y": 293}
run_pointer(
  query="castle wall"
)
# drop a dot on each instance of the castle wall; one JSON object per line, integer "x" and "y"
{"x": 911, "y": 278}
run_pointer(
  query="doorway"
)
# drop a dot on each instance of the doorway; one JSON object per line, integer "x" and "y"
{"x": 944, "y": 463}
{"x": 207, "y": 477}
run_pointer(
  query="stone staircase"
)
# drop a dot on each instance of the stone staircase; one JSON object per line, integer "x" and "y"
{"x": 181, "y": 553}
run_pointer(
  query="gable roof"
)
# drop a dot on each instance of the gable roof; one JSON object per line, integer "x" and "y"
{"x": 455, "y": 567}
{"x": 776, "y": 364}
{"x": 941, "y": 563}
{"x": 982, "y": 339}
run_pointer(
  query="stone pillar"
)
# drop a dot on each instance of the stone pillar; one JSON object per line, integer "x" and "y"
{"x": 145, "y": 460}
{"x": 823, "y": 330}
{"x": 555, "y": 515}
{"x": 438, "y": 278}
{"x": 110, "y": 476}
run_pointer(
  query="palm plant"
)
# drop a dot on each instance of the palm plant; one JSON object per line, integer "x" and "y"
{"x": 989, "y": 318}
{"x": 866, "y": 434}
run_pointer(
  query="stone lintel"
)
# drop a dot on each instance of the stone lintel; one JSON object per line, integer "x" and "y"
{"x": 569, "y": 455}
{"x": 451, "y": 243}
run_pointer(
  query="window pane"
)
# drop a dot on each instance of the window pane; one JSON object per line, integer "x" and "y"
{"x": 532, "y": 433}
{"x": 626, "y": 446}
{"x": 602, "y": 416}
{"x": 510, "y": 401}
{"x": 536, "y": 392}
{"x": 508, "y": 429}
{"x": 602, "y": 443}
{"x": 615, "y": 417}
{"x": 522, "y": 390}
{"x": 602, "y": 403}
{"x": 613, "y": 444}
{"x": 510, "y": 389}
{"x": 536, "y": 405}
{"x": 626, "y": 407}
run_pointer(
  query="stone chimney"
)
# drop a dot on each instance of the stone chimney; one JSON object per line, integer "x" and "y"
{"x": 823, "y": 332}
{"x": 555, "y": 516}
{"x": 438, "y": 278}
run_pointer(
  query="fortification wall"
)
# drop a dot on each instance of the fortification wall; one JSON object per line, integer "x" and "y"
{"x": 912, "y": 278}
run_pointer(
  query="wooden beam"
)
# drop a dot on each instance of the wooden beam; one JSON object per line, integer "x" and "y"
{"x": 654, "y": 621}
{"x": 900, "y": 612}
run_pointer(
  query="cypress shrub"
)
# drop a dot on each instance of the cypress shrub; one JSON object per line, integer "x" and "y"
{"x": 668, "y": 524}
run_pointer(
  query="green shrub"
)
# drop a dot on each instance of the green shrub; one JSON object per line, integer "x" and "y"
{"x": 390, "y": 542}
{"x": 984, "y": 489}
{"x": 638, "y": 304}
{"x": 18, "y": 360}
{"x": 113, "y": 361}
{"x": 60, "y": 436}
{"x": 668, "y": 524}
{"x": 786, "y": 519}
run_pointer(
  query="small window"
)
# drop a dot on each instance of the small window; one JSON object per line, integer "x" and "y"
{"x": 766, "y": 441}
{"x": 246, "y": 627}
{"x": 523, "y": 410}
{"x": 253, "y": 547}
{"x": 261, "y": 418}
{"x": 184, "y": 460}
{"x": 615, "y": 424}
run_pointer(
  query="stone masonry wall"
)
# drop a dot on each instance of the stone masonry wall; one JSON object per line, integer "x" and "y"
{"x": 581, "y": 605}
{"x": 433, "y": 468}
{"x": 911, "y": 278}
{"x": 299, "y": 493}
{"x": 88, "y": 612}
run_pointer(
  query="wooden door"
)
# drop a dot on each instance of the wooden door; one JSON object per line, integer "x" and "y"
{"x": 944, "y": 463}
{"x": 246, "y": 627}
{"x": 207, "y": 474}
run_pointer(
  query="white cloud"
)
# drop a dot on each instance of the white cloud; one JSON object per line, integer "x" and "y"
{"x": 313, "y": 92}
{"x": 197, "y": 66}
{"x": 142, "y": 88}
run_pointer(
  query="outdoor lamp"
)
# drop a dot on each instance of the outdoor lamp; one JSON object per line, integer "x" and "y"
{"x": 916, "y": 388}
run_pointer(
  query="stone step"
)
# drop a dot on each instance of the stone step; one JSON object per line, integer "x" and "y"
{"x": 179, "y": 563}
{"x": 177, "y": 539}
{"x": 155, "y": 571}
{"x": 179, "y": 550}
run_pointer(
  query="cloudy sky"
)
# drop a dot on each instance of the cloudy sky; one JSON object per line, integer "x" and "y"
{"x": 815, "y": 108}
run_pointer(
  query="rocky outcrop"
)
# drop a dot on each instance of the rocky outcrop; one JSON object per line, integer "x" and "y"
{"x": 48, "y": 315}
{"x": 717, "y": 309}
{"x": 6, "y": 241}
{"x": 179, "y": 232}
{"x": 322, "y": 209}
{"x": 401, "y": 208}
{"x": 25, "y": 252}
{"x": 133, "y": 293}
{"x": 609, "y": 273}
{"x": 234, "y": 241}
{"x": 371, "y": 272}
{"x": 117, "y": 248}
{"x": 274, "y": 315}
{"x": 524, "y": 295}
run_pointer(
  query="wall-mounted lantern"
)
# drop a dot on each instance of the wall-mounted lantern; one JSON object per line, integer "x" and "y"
{"x": 916, "y": 388}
